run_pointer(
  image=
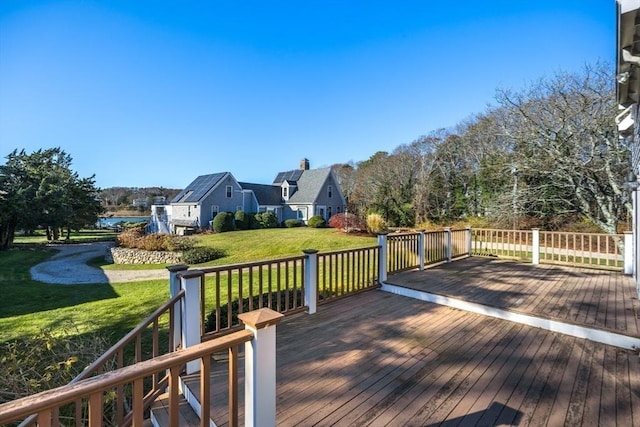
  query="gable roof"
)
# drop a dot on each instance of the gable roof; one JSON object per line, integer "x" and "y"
{"x": 267, "y": 195}
{"x": 309, "y": 185}
{"x": 199, "y": 188}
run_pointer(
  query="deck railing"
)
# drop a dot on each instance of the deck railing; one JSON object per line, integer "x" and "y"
{"x": 590, "y": 249}
{"x": 342, "y": 273}
{"x": 406, "y": 251}
{"x": 95, "y": 393}
{"x": 579, "y": 249}
{"x": 150, "y": 339}
{"x": 229, "y": 290}
{"x": 516, "y": 244}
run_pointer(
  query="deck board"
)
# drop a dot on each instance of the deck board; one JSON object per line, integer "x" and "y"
{"x": 383, "y": 359}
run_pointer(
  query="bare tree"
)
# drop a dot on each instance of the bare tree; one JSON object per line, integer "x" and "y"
{"x": 569, "y": 157}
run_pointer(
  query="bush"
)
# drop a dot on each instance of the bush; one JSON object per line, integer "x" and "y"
{"x": 291, "y": 223}
{"x": 347, "y": 222}
{"x": 375, "y": 223}
{"x": 223, "y": 222}
{"x": 47, "y": 360}
{"x": 242, "y": 220}
{"x": 266, "y": 220}
{"x": 202, "y": 254}
{"x": 133, "y": 239}
{"x": 316, "y": 222}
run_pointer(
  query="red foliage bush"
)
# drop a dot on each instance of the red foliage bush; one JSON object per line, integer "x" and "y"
{"x": 347, "y": 222}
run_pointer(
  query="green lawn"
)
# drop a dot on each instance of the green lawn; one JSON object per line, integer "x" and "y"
{"x": 114, "y": 309}
{"x": 40, "y": 237}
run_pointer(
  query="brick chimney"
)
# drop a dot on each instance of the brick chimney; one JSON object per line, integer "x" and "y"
{"x": 304, "y": 164}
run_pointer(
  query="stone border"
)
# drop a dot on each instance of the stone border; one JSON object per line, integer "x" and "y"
{"x": 139, "y": 256}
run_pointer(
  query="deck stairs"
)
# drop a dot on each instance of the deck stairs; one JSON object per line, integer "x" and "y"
{"x": 189, "y": 406}
{"x": 189, "y": 414}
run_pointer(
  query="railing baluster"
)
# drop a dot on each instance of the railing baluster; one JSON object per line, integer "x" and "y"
{"x": 95, "y": 409}
{"x": 233, "y": 386}
{"x": 138, "y": 396}
{"x": 205, "y": 390}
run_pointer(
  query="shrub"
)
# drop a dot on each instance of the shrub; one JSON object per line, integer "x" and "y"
{"x": 375, "y": 223}
{"x": 47, "y": 360}
{"x": 347, "y": 222}
{"x": 267, "y": 220}
{"x": 290, "y": 223}
{"x": 223, "y": 222}
{"x": 202, "y": 254}
{"x": 177, "y": 243}
{"x": 316, "y": 222}
{"x": 242, "y": 220}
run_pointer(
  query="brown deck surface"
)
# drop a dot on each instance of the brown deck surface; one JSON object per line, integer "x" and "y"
{"x": 594, "y": 298}
{"x": 382, "y": 359}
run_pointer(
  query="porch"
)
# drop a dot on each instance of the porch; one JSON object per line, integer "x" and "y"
{"x": 382, "y": 359}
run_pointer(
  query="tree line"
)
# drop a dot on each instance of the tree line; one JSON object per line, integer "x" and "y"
{"x": 543, "y": 156}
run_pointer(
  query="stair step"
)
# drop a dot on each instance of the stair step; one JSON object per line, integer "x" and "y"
{"x": 160, "y": 413}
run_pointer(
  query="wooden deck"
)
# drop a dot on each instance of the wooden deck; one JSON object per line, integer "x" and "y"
{"x": 382, "y": 359}
{"x": 588, "y": 297}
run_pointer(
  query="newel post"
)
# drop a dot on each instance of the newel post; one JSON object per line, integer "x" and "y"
{"x": 447, "y": 242}
{"x": 628, "y": 252}
{"x": 260, "y": 367}
{"x": 382, "y": 261}
{"x": 535, "y": 241}
{"x": 311, "y": 280}
{"x": 174, "y": 288}
{"x": 191, "y": 328}
{"x": 421, "y": 250}
{"x": 469, "y": 241}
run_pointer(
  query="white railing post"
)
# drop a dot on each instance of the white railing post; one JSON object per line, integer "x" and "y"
{"x": 174, "y": 288}
{"x": 421, "y": 250}
{"x": 469, "y": 241}
{"x": 447, "y": 242}
{"x": 535, "y": 241}
{"x": 382, "y": 262}
{"x": 260, "y": 367}
{"x": 191, "y": 328}
{"x": 311, "y": 280}
{"x": 628, "y": 252}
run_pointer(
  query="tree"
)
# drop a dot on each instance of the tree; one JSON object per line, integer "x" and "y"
{"x": 40, "y": 190}
{"x": 569, "y": 158}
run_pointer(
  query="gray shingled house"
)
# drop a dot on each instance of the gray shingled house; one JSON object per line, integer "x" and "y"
{"x": 296, "y": 194}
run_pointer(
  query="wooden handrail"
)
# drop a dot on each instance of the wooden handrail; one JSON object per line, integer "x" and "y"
{"x": 53, "y": 398}
{"x": 249, "y": 264}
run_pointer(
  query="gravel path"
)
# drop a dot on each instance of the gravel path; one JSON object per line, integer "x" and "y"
{"x": 68, "y": 267}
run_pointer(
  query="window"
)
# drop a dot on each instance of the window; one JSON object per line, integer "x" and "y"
{"x": 214, "y": 211}
{"x": 229, "y": 191}
{"x": 321, "y": 212}
{"x": 300, "y": 214}
{"x": 339, "y": 209}
{"x": 329, "y": 190}
{"x": 285, "y": 192}
{"x": 328, "y": 211}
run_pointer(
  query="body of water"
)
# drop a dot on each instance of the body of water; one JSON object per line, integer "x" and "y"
{"x": 108, "y": 222}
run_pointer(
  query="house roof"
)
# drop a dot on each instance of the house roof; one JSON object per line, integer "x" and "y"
{"x": 267, "y": 195}
{"x": 199, "y": 188}
{"x": 310, "y": 184}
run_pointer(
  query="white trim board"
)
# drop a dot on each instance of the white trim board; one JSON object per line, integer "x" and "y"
{"x": 592, "y": 334}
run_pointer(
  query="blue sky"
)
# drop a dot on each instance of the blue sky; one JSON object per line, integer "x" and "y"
{"x": 154, "y": 93}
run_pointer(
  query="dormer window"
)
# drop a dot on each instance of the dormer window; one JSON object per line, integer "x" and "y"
{"x": 285, "y": 192}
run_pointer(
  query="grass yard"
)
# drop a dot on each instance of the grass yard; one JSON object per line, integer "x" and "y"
{"x": 114, "y": 309}
{"x": 39, "y": 237}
